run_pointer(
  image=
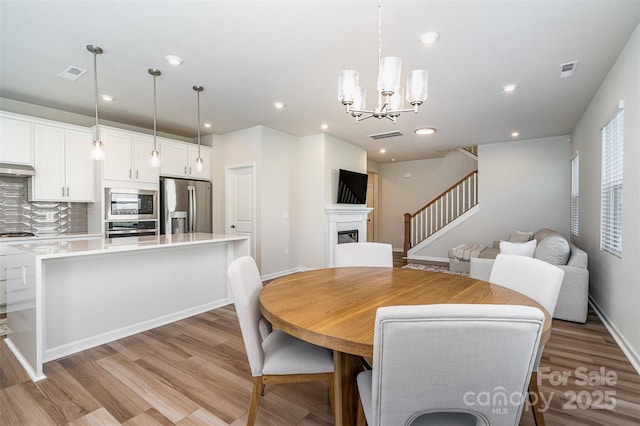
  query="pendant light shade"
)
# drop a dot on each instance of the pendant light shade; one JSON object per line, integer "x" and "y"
{"x": 97, "y": 150}
{"x": 199, "y": 162}
{"x": 154, "y": 159}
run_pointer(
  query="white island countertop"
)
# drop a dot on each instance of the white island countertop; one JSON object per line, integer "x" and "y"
{"x": 82, "y": 247}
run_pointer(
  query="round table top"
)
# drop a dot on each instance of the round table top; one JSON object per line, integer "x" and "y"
{"x": 336, "y": 308}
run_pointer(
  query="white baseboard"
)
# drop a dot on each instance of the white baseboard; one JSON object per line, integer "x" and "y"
{"x": 281, "y": 274}
{"x": 101, "y": 339}
{"x": 23, "y": 362}
{"x": 629, "y": 352}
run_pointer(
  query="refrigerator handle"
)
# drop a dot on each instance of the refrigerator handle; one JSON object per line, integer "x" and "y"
{"x": 192, "y": 208}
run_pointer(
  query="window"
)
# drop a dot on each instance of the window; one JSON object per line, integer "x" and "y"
{"x": 611, "y": 195}
{"x": 575, "y": 195}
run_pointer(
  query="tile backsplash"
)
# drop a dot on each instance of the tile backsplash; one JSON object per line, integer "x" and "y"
{"x": 40, "y": 217}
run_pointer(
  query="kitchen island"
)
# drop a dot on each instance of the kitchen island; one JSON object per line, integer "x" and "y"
{"x": 70, "y": 295}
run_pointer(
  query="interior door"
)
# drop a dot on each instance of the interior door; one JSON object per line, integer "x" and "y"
{"x": 240, "y": 202}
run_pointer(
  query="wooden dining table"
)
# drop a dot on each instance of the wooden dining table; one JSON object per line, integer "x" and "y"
{"x": 336, "y": 308}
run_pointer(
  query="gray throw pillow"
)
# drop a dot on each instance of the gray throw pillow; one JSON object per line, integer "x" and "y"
{"x": 553, "y": 249}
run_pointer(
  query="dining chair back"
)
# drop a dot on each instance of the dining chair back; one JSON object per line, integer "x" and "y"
{"x": 540, "y": 281}
{"x": 274, "y": 356}
{"x": 535, "y": 278}
{"x": 363, "y": 254}
{"x": 450, "y": 364}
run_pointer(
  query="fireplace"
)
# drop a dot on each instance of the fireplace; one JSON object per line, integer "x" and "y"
{"x": 345, "y": 221}
{"x": 349, "y": 236}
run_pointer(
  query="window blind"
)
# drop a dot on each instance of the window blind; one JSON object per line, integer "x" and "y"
{"x": 575, "y": 194}
{"x": 611, "y": 186}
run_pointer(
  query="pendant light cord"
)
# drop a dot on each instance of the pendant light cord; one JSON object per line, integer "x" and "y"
{"x": 379, "y": 33}
{"x": 95, "y": 88}
{"x": 198, "y": 123}
{"x": 154, "y": 113}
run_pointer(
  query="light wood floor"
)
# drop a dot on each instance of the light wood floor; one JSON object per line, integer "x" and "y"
{"x": 195, "y": 372}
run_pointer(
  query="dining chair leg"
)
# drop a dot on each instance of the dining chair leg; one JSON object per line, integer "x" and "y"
{"x": 536, "y": 401}
{"x": 258, "y": 388}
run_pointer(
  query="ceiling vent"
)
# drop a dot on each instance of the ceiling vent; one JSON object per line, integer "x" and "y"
{"x": 385, "y": 135}
{"x": 72, "y": 73}
{"x": 568, "y": 70}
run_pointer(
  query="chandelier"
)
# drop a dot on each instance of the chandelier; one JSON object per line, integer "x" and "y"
{"x": 390, "y": 94}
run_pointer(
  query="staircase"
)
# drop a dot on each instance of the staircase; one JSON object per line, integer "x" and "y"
{"x": 445, "y": 211}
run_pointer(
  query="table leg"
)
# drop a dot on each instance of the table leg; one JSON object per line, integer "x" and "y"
{"x": 346, "y": 367}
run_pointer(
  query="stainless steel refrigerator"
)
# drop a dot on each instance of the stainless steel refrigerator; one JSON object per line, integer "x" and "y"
{"x": 185, "y": 206}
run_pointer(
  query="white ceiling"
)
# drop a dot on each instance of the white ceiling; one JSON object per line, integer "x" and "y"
{"x": 249, "y": 54}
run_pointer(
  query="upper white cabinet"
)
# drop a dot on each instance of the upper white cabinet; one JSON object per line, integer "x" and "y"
{"x": 179, "y": 160}
{"x": 127, "y": 156}
{"x": 16, "y": 141}
{"x": 63, "y": 164}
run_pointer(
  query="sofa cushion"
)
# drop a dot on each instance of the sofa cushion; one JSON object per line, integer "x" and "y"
{"x": 520, "y": 249}
{"x": 553, "y": 249}
{"x": 519, "y": 237}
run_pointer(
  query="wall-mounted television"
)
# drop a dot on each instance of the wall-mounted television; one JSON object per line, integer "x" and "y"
{"x": 352, "y": 187}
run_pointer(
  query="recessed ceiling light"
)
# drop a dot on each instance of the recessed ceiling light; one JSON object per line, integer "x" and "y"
{"x": 278, "y": 105}
{"x": 174, "y": 60}
{"x": 430, "y": 37}
{"x": 382, "y": 151}
{"x": 425, "y": 131}
{"x": 107, "y": 98}
{"x": 207, "y": 125}
{"x": 324, "y": 126}
{"x": 393, "y": 159}
{"x": 509, "y": 88}
{"x": 515, "y": 134}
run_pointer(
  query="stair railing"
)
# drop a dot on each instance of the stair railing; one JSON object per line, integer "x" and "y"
{"x": 442, "y": 210}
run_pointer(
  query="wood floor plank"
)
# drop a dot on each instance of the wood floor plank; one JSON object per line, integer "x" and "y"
{"x": 221, "y": 396}
{"x": 201, "y": 417}
{"x": 98, "y": 417}
{"x": 21, "y": 406}
{"x": 115, "y": 396}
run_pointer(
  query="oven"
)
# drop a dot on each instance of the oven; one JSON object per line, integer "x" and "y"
{"x": 131, "y": 228}
{"x": 130, "y": 204}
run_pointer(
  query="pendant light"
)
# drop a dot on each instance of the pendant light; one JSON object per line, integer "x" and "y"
{"x": 199, "y": 162}
{"x": 97, "y": 151}
{"x": 154, "y": 159}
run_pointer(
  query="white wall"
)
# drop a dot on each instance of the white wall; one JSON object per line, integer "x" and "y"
{"x": 400, "y": 194}
{"x": 278, "y": 151}
{"x": 614, "y": 282}
{"x": 320, "y": 158}
{"x": 523, "y": 185}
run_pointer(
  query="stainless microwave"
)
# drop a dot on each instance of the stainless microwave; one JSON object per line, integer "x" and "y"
{"x": 130, "y": 204}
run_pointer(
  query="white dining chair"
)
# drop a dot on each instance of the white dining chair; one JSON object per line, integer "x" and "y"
{"x": 540, "y": 281}
{"x": 450, "y": 364}
{"x": 278, "y": 357}
{"x": 363, "y": 254}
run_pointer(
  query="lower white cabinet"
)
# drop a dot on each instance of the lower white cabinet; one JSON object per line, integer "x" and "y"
{"x": 63, "y": 164}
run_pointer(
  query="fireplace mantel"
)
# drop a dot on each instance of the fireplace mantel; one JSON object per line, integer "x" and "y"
{"x": 344, "y": 217}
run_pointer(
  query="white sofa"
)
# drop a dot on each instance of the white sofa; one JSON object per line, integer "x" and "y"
{"x": 554, "y": 248}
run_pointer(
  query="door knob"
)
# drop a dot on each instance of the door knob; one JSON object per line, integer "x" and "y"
{"x": 233, "y": 226}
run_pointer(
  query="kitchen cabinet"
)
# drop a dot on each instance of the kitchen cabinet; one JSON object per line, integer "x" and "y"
{"x": 16, "y": 141}
{"x": 127, "y": 157}
{"x": 63, "y": 163}
{"x": 179, "y": 160}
